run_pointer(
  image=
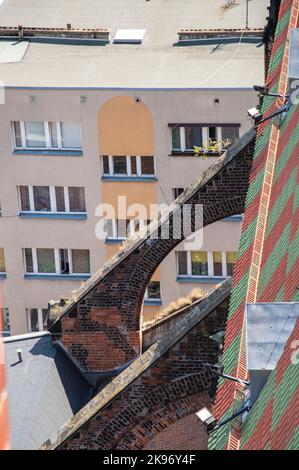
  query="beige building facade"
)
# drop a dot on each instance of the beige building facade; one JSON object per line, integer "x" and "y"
{"x": 68, "y": 146}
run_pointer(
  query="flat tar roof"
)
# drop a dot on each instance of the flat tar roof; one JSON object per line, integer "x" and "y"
{"x": 156, "y": 63}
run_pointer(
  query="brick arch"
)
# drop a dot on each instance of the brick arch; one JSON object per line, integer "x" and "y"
{"x": 105, "y": 314}
{"x": 167, "y": 422}
{"x": 131, "y": 423}
{"x": 185, "y": 434}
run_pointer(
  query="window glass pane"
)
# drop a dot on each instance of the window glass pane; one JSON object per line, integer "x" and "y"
{"x": 45, "y": 260}
{"x": 177, "y": 192}
{"x": 24, "y": 198}
{"x": 60, "y": 203}
{"x": 4, "y": 313}
{"x": 212, "y": 133}
{"x": 153, "y": 290}
{"x": 230, "y": 134}
{"x": 41, "y": 195}
{"x": 35, "y": 134}
{"x": 64, "y": 262}
{"x": 17, "y": 133}
{"x": 120, "y": 165}
{"x": 147, "y": 165}
{"x": 81, "y": 262}
{"x": 53, "y": 134}
{"x": 28, "y": 260}
{"x": 199, "y": 260}
{"x": 217, "y": 260}
{"x": 106, "y": 165}
{"x": 45, "y": 316}
{"x": 33, "y": 319}
{"x": 133, "y": 166}
{"x": 193, "y": 136}
{"x": 137, "y": 225}
{"x": 176, "y": 138}
{"x": 230, "y": 262}
{"x": 109, "y": 228}
{"x": 77, "y": 199}
{"x": 70, "y": 135}
{"x": 2, "y": 261}
{"x": 122, "y": 228}
{"x": 182, "y": 262}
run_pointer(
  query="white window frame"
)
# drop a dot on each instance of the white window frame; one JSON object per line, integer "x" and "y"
{"x": 48, "y": 137}
{"x": 4, "y": 312}
{"x": 57, "y": 263}
{"x": 210, "y": 265}
{"x": 128, "y": 164}
{"x": 39, "y": 317}
{"x": 115, "y": 235}
{"x": 3, "y": 272}
{"x": 53, "y": 202}
{"x": 146, "y": 297}
{"x": 205, "y": 137}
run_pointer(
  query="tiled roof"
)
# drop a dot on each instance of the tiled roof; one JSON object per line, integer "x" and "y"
{"x": 45, "y": 389}
{"x": 273, "y": 423}
{"x": 268, "y": 259}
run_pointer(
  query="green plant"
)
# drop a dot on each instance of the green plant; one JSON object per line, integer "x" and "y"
{"x": 212, "y": 146}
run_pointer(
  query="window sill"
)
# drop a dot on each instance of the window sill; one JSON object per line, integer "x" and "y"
{"x": 59, "y": 277}
{"x": 201, "y": 279}
{"x": 53, "y": 215}
{"x": 2, "y": 275}
{"x": 233, "y": 218}
{"x": 150, "y": 302}
{"x": 49, "y": 152}
{"x": 114, "y": 241}
{"x": 175, "y": 153}
{"x": 130, "y": 178}
{"x": 5, "y": 334}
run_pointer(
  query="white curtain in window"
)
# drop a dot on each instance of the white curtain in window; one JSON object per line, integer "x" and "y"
{"x": 70, "y": 134}
{"x": 35, "y": 134}
{"x": 81, "y": 261}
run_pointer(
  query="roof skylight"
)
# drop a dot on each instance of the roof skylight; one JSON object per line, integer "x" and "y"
{"x": 129, "y": 36}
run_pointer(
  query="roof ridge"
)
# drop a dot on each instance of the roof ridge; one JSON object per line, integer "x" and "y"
{"x": 169, "y": 316}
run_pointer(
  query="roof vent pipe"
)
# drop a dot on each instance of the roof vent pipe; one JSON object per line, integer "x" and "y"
{"x": 20, "y": 30}
{"x": 19, "y": 352}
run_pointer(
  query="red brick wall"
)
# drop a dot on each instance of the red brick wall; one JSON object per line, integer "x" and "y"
{"x": 174, "y": 388}
{"x": 186, "y": 434}
{"x": 108, "y": 317}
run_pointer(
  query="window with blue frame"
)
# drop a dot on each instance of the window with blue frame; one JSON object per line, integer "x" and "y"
{"x": 43, "y": 135}
{"x": 50, "y": 261}
{"x": 52, "y": 199}
{"x": 128, "y": 166}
